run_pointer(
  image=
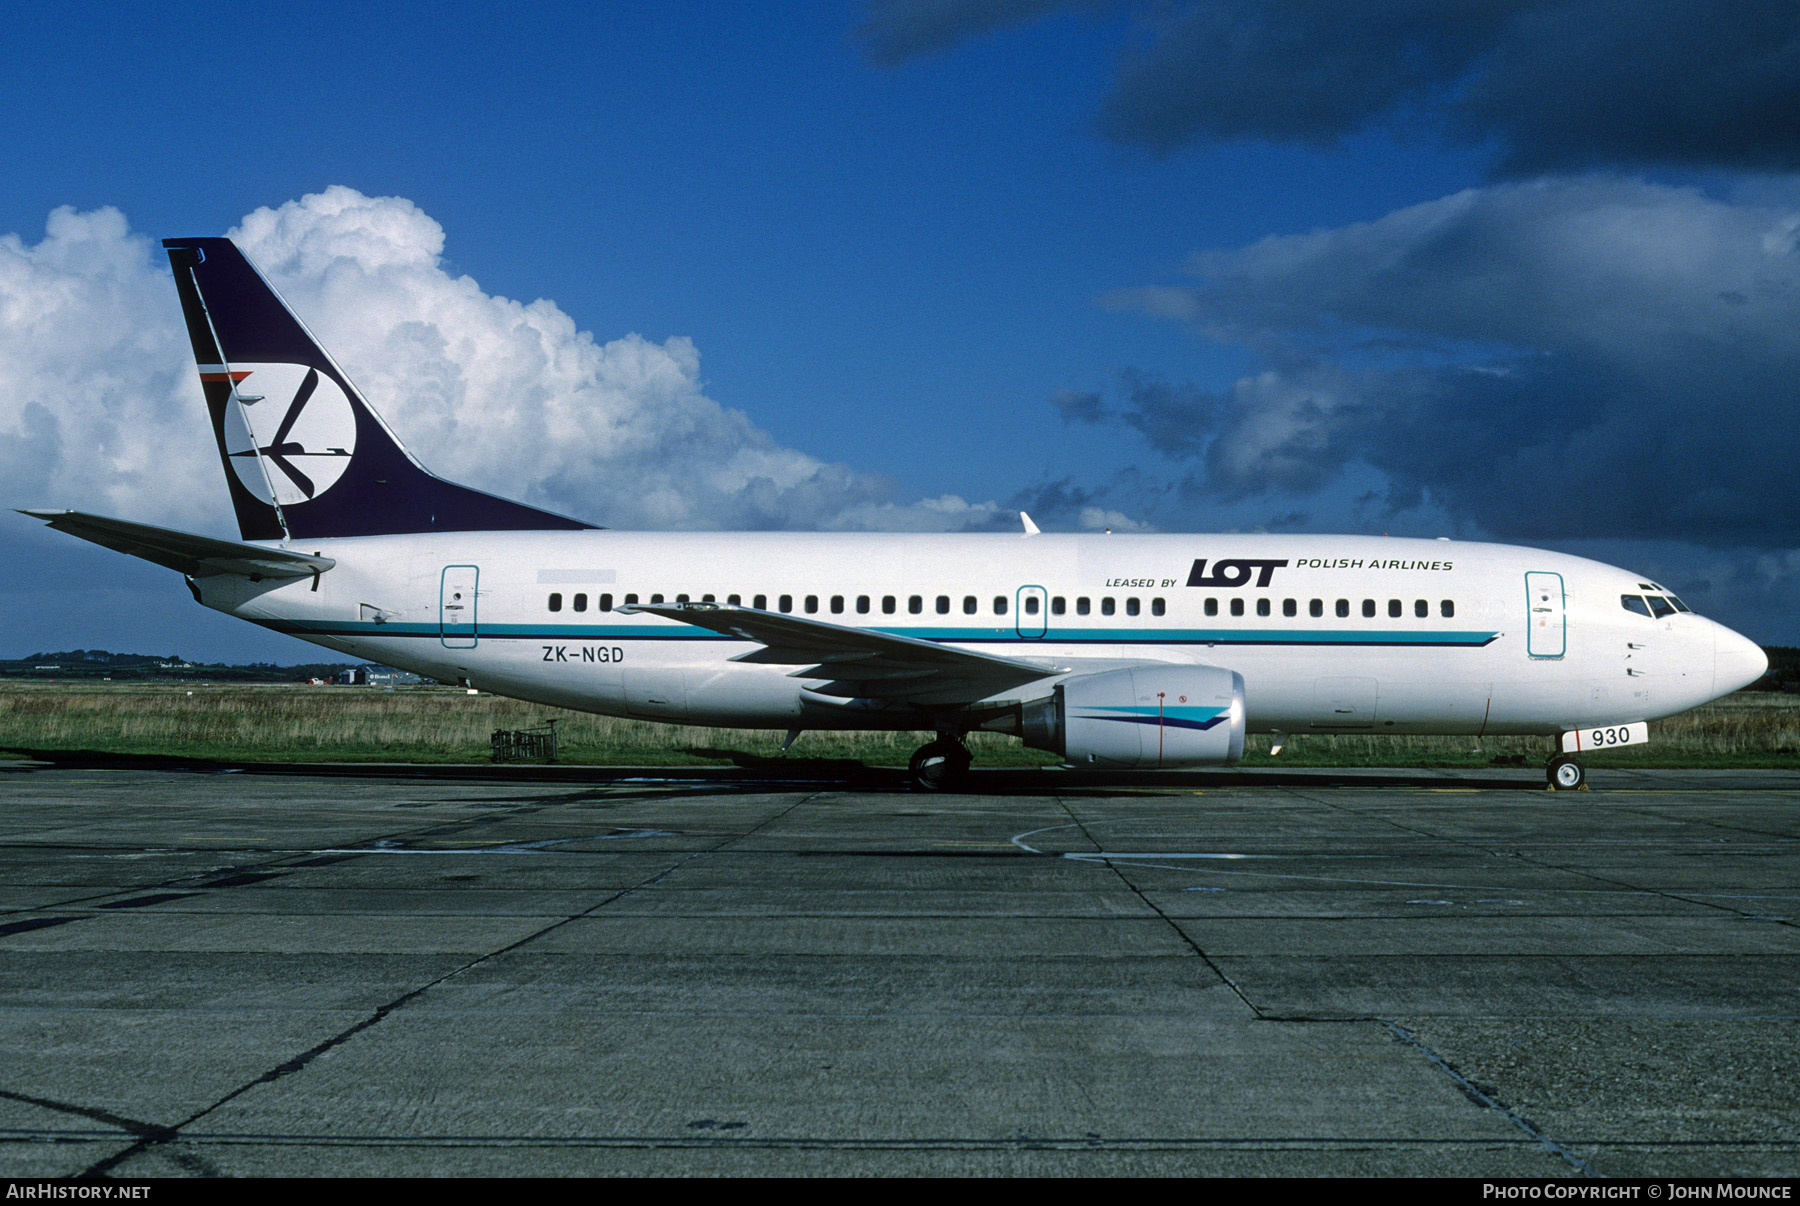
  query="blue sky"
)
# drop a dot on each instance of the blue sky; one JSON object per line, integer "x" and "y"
{"x": 1510, "y": 270}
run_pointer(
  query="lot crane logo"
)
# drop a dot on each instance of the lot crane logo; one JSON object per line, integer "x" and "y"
{"x": 289, "y": 431}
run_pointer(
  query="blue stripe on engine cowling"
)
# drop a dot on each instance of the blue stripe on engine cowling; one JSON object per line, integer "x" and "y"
{"x": 1176, "y": 718}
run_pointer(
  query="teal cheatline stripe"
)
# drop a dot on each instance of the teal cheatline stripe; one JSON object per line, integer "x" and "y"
{"x": 1341, "y": 637}
{"x": 1270, "y": 636}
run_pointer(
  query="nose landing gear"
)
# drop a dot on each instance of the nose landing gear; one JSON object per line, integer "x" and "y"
{"x": 1565, "y": 774}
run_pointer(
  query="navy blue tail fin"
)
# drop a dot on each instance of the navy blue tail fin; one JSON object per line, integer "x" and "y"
{"x": 304, "y": 454}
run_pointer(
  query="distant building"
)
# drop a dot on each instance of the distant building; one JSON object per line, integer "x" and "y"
{"x": 378, "y": 676}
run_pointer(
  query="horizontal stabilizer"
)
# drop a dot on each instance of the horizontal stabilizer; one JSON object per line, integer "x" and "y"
{"x": 195, "y": 556}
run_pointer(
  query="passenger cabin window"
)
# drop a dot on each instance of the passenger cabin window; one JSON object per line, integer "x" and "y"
{"x": 943, "y": 605}
{"x": 999, "y": 605}
{"x": 812, "y": 605}
{"x": 1395, "y": 610}
{"x": 1316, "y": 608}
{"x": 1368, "y": 608}
{"x": 1212, "y": 607}
{"x": 1447, "y": 609}
{"x": 1421, "y": 608}
{"x": 1158, "y": 607}
{"x": 1031, "y": 605}
{"x": 837, "y": 605}
{"x": 787, "y": 604}
{"x": 760, "y": 602}
{"x": 580, "y": 602}
{"x": 1057, "y": 606}
{"x": 915, "y": 605}
{"x": 1290, "y": 607}
{"x": 654, "y": 599}
{"x": 1131, "y": 607}
{"x": 1262, "y": 607}
{"x": 556, "y": 601}
{"x": 605, "y": 602}
{"x": 1106, "y": 606}
{"x": 1081, "y": 605}
{"x": 631, "y": 600}
{"x": 1343, "y": 608}
{"x": 887, "y": 605}
{"x": 1237, "y": 607}
{"x": 970, "y": 606}
{"x": 862, "y": 605}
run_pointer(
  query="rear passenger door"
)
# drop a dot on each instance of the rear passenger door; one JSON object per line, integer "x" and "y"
{"x": 456, "y": 606}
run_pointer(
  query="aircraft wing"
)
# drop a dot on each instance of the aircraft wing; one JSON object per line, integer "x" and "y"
{"x": 195, "y": 556}
{"x": 861, "y": 663}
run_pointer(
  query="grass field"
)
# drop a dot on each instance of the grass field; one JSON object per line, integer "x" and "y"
{"x": 279, "y": 723}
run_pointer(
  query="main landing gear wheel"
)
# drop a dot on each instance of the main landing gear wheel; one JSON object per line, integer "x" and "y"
{"x": 939, "y": 765}
{"x": 1566, "y": 774}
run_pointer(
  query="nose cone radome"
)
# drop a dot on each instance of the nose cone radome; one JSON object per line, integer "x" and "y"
{"x": 1737, "y": 661}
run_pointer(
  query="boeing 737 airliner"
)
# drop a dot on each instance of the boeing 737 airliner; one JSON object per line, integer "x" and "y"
{"x": 1110, "y": 650}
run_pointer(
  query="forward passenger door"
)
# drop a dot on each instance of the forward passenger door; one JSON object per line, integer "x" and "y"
{"x": 1546, "y": 634}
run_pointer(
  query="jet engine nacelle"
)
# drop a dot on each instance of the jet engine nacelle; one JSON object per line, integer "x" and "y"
{"x": 1143, "y": 716}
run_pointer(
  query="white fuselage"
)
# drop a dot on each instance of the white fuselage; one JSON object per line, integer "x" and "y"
{"x": 1330, "y": 633}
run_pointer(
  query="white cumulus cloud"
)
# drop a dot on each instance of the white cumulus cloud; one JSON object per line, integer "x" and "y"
{"x": 95, "y": 374}
{"x": 100, "y": 408}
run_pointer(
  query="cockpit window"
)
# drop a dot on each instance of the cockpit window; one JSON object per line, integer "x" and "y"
{"x": 1679, "y": 605}
{"x": 1635, "y": 603}
{"x": 1660, "y": 607}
